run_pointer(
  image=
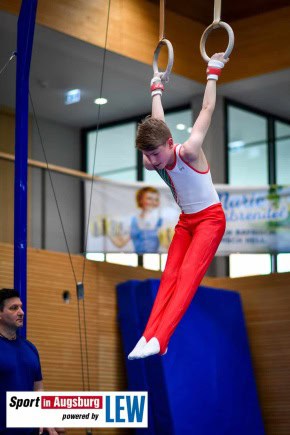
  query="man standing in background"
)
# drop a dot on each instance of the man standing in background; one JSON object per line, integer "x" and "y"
{"x": 20, "y": 368}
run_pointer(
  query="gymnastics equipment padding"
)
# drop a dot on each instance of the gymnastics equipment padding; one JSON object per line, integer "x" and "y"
{"x": 205, "y": 383}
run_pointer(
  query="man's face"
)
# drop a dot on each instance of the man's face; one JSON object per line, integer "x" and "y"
{"x": 162, "y": 155}
{"x": 12, "y": 314}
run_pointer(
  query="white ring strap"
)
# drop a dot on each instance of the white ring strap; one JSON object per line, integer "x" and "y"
{"x": 162, "y": 20}
{"x": 217, "y": 12}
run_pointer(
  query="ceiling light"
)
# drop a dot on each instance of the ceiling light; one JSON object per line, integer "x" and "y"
{"x": 72, "y": 96}
{"x": 101, "y": 101}
{"x": 181, "y": 127}
{"x": 189, "y": 130}
{"x": 236, "y": 144}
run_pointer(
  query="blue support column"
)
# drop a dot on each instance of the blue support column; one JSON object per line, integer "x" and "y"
{"x": 25, "y": 32}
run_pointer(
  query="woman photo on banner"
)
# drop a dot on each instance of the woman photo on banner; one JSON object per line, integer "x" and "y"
{"x": 144, "y": 226}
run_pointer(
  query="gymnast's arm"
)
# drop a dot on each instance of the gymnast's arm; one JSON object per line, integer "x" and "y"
{"x": 191, "y": 149}
{"x": 157, "y": 108}
{"x": 156, "y": 112}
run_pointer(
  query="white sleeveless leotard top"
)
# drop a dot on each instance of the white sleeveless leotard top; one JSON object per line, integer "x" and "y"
{"x": 192, "y": 190}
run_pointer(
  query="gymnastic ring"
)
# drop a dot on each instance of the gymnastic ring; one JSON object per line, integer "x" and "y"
{"x": 207, "y": 32}
{"x": 166, "y": 74}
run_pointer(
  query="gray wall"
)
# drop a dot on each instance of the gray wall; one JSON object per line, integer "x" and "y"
{"x": 214, "y": 148}
{"x": 214, "y": 144}
{"x": 63, "y": 148}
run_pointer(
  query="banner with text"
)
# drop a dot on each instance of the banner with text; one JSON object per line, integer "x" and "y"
{"x": 76, "y": 409}
{"x": 138, "y": 217}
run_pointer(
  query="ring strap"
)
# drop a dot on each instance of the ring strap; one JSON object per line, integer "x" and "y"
{"x": 161, "y": 20}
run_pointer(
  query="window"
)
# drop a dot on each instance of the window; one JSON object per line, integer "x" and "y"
{"x": 115, "y": 159}
{"x": 115, "y": 152}
{"x": 163, "y": 261}
{"x": 282, "y": 136}
{"x": 283, "y": 263}
{"x": 96, "y": 256}
{"x": 249, "y": 146}
{"x": 249, "y": 264}
{"x": 124, "y": 259}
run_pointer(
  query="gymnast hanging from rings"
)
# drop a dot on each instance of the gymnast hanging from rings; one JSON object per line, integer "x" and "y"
{"x": 201, "y": 224}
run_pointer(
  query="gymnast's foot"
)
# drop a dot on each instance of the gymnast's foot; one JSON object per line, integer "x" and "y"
{"x": 136, "y": 352}
{"x": 151, "y": 348}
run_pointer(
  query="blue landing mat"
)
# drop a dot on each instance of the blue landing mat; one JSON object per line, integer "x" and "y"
{"x": 205, "y": 384}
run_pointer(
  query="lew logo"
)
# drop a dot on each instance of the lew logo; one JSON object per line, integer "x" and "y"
{"x": 125, "y": 408}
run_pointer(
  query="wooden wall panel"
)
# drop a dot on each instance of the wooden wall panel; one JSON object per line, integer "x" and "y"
{"x": 134, "y": 27}
{"x": 7, "y": 123}
{"x": 53, "y": 327}
{"x": 7, "y": 145}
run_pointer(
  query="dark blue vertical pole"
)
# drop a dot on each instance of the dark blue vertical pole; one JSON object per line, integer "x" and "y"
{"x": 25, "y": 32}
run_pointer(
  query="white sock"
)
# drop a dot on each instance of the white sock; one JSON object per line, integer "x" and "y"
{"x": 151, "y": 348}
{"x": 137, "y": 349}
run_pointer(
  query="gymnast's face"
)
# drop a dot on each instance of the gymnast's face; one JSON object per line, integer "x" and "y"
{"x": 162, "y": 156}
{"x": 149, "y": 201}
{"x": 12, "y": 314}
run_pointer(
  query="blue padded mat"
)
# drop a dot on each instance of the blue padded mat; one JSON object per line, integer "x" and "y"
{"x": 205, "y": 384}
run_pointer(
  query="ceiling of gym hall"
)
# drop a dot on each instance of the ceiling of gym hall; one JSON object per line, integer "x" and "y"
{"x": 60, "y": 63}
{"x": 202, "y": 11}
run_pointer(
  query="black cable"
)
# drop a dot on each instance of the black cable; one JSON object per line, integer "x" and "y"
{"x": 53, "y": 189}
{"x": 92, "y": 179}
{"x": 64, "y": 234}
{"x": 8, "y": 61}
{"x": 96, "y": 141}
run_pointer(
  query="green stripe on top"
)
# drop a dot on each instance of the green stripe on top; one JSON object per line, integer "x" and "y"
{"x": 165, "y": 177}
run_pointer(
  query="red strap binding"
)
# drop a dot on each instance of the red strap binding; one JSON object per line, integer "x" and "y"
{"x": 157, "y": 85}
{"x": 212, "y": 70}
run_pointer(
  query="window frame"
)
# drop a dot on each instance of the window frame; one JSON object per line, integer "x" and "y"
{"x": 271, "y": 120}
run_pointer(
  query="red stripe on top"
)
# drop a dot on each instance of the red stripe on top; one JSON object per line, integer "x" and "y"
{"x": 196, "y": 170}
{"x": 174, "y": 163}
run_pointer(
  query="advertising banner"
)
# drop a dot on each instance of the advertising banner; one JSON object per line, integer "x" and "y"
{"x": 140, "y": 218}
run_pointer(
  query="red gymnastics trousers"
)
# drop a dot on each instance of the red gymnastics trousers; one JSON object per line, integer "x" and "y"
{"x": 195, "y": 242}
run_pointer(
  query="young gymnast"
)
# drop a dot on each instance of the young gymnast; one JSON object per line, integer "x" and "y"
{"x": 201, "y": 224}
